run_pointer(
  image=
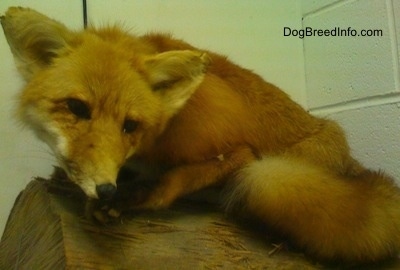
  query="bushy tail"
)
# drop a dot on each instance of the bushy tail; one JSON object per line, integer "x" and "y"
{"x": 354, "y": 219}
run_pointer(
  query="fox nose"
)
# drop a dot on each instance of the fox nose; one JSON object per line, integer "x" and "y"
{"x": 106, "y": 191}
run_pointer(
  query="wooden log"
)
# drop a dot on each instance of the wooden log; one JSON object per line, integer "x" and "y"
{"x": 48, "y": 231}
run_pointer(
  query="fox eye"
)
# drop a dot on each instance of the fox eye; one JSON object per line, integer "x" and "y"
{"x": 129, "y": 126}
{"x": 79, "y": 108}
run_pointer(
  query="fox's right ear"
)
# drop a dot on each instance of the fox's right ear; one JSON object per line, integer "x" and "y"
{"x": 35, "y": 40}
{"x": 175, "y": 75}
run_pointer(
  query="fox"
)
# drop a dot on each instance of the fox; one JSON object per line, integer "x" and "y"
{"x": 104, "y": 99}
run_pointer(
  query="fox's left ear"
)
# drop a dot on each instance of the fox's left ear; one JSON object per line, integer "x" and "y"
{"x": 175, "y": 75}
{"x": 34, "y": 39}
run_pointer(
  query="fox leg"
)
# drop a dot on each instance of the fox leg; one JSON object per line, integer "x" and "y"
{"x": 189, "y": 178}
{"x": 173, "y": 184}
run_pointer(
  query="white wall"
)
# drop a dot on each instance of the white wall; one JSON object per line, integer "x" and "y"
{"x": 249, "y": 32}
{"x": 355, "y": 80}
{"x": 21, "y": 155}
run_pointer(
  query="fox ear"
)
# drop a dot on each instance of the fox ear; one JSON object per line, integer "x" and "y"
{"x": 175, "y": 75}
{"x": 34, "y": 39}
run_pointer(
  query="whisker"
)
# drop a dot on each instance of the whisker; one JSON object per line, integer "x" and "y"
{"x": 40, "y": 153}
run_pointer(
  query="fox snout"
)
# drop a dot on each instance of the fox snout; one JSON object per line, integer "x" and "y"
{"x": 106, "y": 191}
{"x": 94, "y": 165}
{"x": 98, "y": 180}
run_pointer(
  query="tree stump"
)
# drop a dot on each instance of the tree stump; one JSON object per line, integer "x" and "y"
{"x": 48, "y": 231}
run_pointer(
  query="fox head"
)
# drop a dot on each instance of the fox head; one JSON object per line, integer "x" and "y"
{"x": 96, "y": 97}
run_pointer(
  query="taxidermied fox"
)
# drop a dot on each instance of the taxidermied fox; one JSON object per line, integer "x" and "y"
{"x": 102, "y": 97}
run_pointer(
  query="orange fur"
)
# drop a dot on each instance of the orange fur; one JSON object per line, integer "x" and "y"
{"x": 329, "y": 216}
{"x": 102, "y": 97}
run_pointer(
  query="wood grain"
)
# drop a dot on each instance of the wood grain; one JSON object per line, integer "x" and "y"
{"x": 48, "y": 231}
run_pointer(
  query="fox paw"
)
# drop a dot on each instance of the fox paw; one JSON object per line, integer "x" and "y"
{"x": 110, "y": 211}
{"x": 107, "y": 215}
{"x": 102, "y": 212}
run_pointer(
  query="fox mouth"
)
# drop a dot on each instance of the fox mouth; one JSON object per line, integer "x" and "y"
{"x": 89, "y": 189}
{"x": 92, "y": 190}
{"x": 87, "y": 185}
{"x": 94, "y": 182}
